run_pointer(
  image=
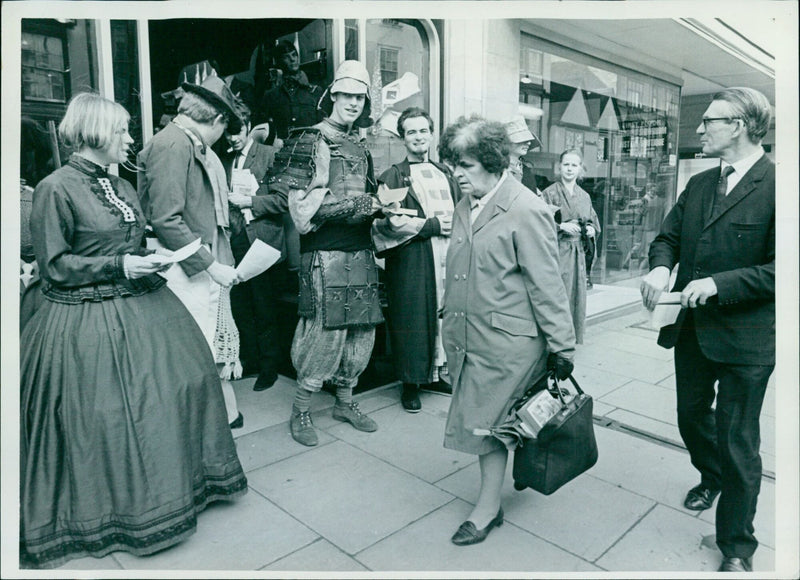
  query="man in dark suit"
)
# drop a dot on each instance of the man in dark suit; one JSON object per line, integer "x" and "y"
{"x": 255, "y": 213}
{"x": 293, "y": 102}
{"x": 722, "y": 233}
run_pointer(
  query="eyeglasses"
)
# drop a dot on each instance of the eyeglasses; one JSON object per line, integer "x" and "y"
{"x": 707, "y": 120}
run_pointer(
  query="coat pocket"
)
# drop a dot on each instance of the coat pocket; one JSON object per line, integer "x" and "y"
{"x": 514, "y": 325}
{"x": 748, "y": 227}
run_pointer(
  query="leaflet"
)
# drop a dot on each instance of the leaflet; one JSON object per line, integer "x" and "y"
{"x": 259, "y": 258}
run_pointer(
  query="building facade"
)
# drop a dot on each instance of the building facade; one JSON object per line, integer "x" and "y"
{"x": 579, "y": 83}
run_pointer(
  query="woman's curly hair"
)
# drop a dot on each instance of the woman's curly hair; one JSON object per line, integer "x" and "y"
{"x": 486, "y": 141}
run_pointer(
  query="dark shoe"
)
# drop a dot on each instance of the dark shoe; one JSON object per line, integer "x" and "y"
{"x": 440, "y": 387}
{"x": 265, "y": 380}
{"x": 302, "y": 428}
{"x": 353, "y": 415}
{"x": 238, "y": 422}
{"x": 468, "y": 534}
{"x": 700, "y": 498}
{"x": 410, "y": 398}
{"x": 736, "y": 565}
{"x": 249, "y": 370}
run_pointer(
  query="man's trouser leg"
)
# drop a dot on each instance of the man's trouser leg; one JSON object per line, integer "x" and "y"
{"x": 741, "y": 394}
{"x": 694, "y": 380}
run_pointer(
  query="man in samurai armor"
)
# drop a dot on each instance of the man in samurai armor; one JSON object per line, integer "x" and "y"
{"x": 327, "y": 174}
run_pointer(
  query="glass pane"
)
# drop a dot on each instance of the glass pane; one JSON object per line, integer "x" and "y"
{"x": 351, "y": 39}
{"x": 625, "y": 124}
{"x": 398, "y": 60}
{"x": 125, "y": 58}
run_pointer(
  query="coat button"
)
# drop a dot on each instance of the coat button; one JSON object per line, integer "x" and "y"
{"x": 460, "y": 239}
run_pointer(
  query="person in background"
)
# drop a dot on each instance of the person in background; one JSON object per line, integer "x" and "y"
{"x": 184, "y": 194}
{"x": 721, "y": 232}
{"x": 579, "y": 226}
{"x": 522, "y": 141}
{"x": 123, "y": 430}
{"x": 293, "y": 102}
{"x": 332, "y": 207}
{"x": 255, "y": 214}
{"x": 415, "y": 249}
{"x": 506, "y": 314}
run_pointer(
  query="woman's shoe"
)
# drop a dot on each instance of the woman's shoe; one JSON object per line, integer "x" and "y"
{"x": 238, "y": 422}
{"x": 468, "y": 534}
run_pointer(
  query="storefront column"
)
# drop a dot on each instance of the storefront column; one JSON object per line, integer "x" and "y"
{"x": 145, "y": 89}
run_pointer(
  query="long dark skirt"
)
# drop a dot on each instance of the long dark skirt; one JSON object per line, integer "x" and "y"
{"x": 124, "y": 434}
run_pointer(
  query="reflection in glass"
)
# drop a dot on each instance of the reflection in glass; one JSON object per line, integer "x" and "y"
{"x": 625, "y": 123}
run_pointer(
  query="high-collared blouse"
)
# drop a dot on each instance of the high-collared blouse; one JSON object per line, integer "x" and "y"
{"x": 83, "y": 221}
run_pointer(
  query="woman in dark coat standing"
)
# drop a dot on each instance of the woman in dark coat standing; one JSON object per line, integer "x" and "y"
{"x": 415, "y": 249}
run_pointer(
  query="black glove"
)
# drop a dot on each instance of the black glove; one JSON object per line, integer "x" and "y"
{"x": 558, "y": 366}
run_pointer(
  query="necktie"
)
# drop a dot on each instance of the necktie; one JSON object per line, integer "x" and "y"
{"x": 722, "y": 188}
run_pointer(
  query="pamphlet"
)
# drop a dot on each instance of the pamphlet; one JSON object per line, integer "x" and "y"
{"x": 666, "y": 311}
{"x": 180, "y": 254}
{"x": 259, "y": 258}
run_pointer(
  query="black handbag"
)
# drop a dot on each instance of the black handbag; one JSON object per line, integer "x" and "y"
{"x": 564, "y": 448}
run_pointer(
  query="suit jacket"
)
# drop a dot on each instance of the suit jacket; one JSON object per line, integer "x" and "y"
{"x": 735, "y": 247}
{"x": 505, "y": 303}
{"x": 177, "y": 196}
{"x": 269, "y": 207}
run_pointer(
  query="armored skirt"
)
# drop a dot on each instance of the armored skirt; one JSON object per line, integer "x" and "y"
{"x": 124, "y": 437}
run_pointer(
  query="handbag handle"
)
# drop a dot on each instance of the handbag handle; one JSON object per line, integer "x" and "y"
{"x": 557, "y": 390}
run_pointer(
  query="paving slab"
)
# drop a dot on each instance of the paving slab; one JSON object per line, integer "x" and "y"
{"x": 242, "y": 535}
{"x": 669, "y": 541}
{"x": 347, "y": 496}
{"x": 664, "y": 541}
{"x": 654, "y": 471}
{"x": 668, "y": 383}
{"x": 600, "y": 409}
{"x": 768, "y": 434}
{"x": 625, "y": 340}
{"x": 644, "y": 399}
{"x": 272, "y": 444}
{"x": 594, "y": 381}
{"x": 412, "y": 442}
{"x": 94, "y": 564}
{"x": 321, "y": 556}
{"x": 573, "y": 518}
{"x": 635, "y": 366}
{"x": 508, "y": 548}
{"x": 668, "y": 431}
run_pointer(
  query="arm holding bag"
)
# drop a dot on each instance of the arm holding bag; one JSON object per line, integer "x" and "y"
{"x": 564, "y": 448}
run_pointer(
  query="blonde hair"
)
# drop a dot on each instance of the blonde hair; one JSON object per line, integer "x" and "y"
{"x": 91, "y": 121}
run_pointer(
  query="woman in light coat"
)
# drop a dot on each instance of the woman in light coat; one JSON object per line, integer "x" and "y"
{"x": 506, "y": 319}
{"x": 579, "y": 225}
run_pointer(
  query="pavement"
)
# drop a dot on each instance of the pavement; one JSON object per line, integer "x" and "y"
{"x": 389, "y": 501}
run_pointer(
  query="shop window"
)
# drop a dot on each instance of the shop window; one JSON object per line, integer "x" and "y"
{"x": 351, "y": 39}
{"x": 398, "y": 60}
{"x": 44, "y": 68}
{"x": 125, "y": 61}
{"x": 388, "y": 64}
{"x": 626, "y": 125}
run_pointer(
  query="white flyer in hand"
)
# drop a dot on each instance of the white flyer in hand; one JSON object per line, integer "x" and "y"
{"x": 666, "y": 311}
{"x": 388, "y": 196}
{"x": 258, "y": 259}
{"x": 181, "y": 254}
